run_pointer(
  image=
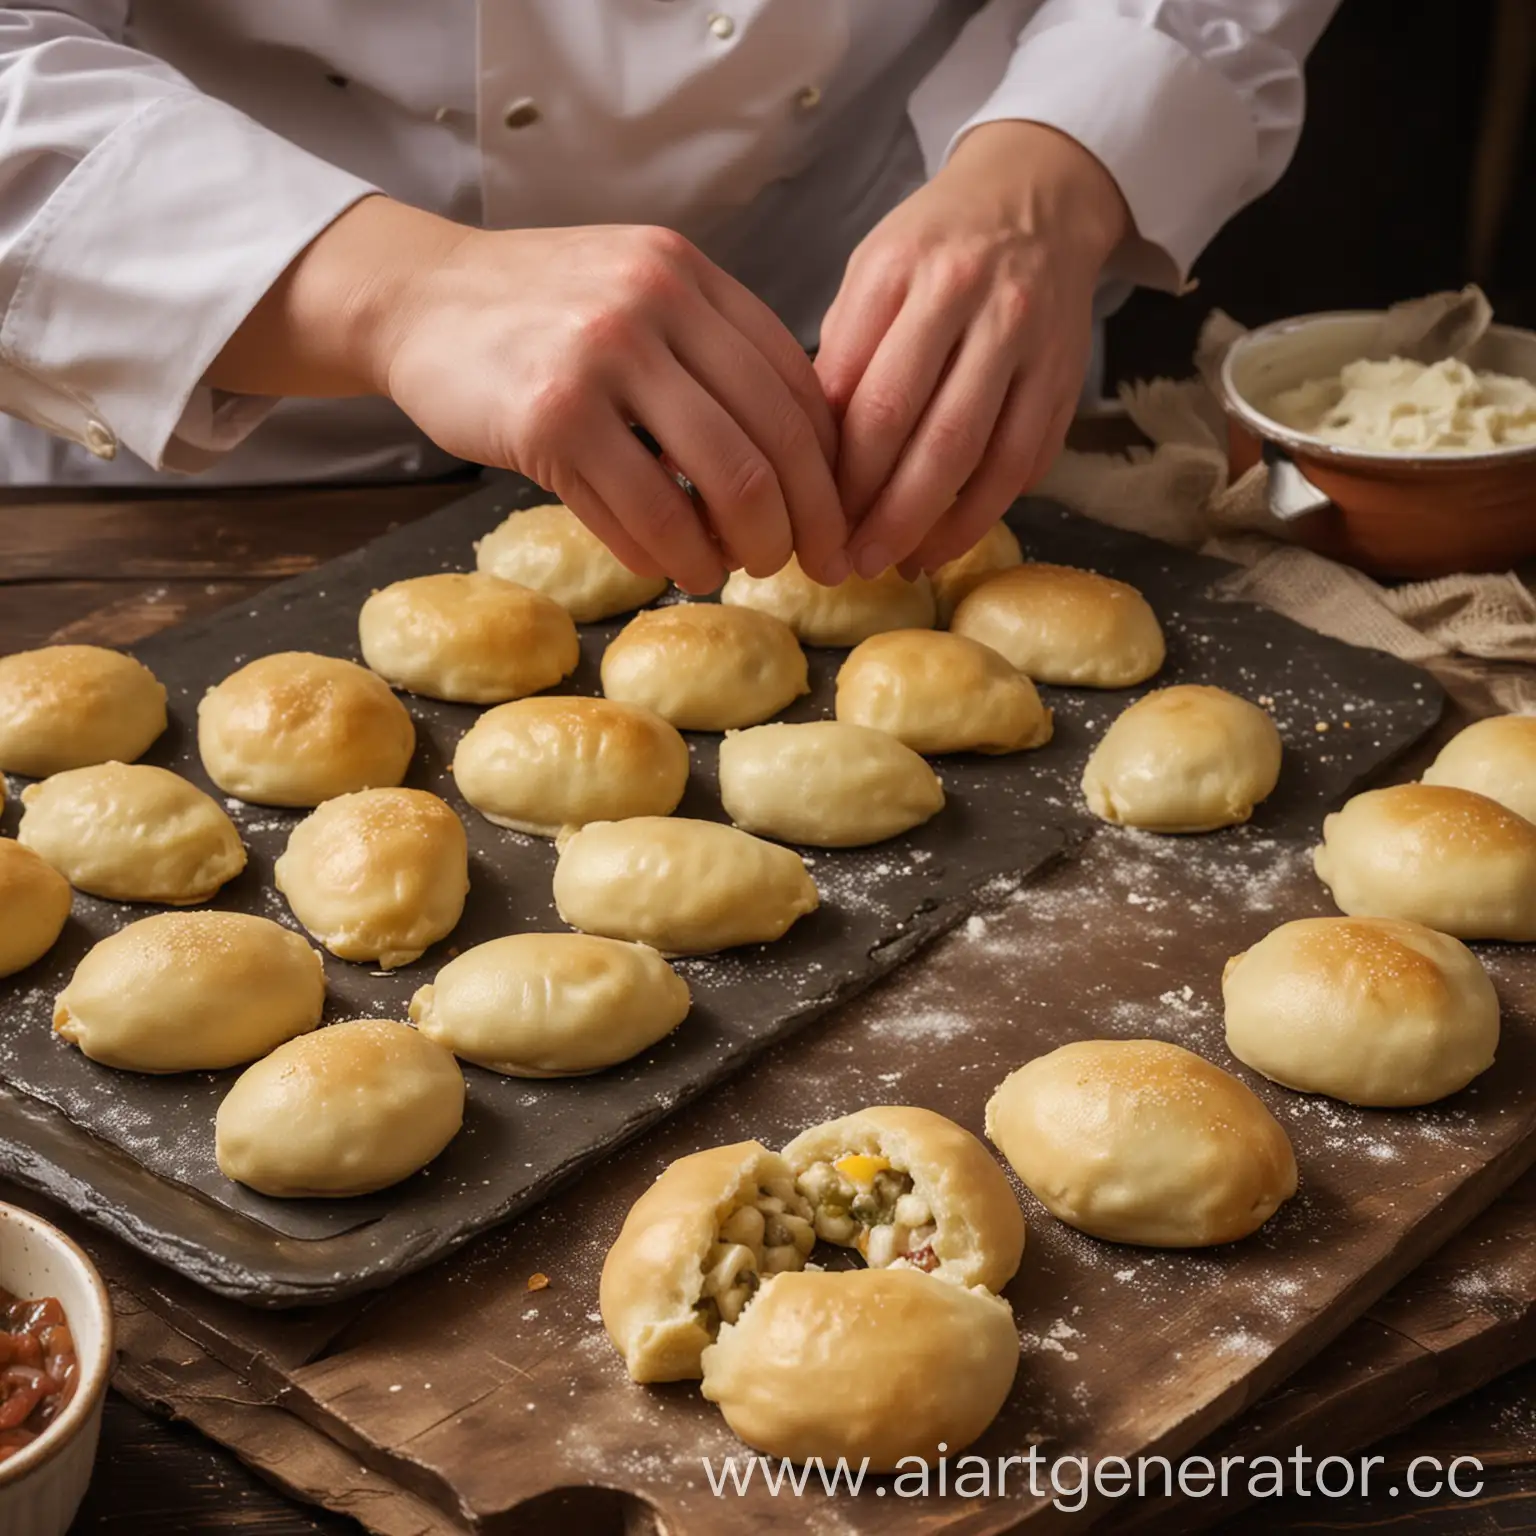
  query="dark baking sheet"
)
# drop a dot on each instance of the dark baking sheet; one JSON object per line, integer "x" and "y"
{"x": 136, "y": 1153}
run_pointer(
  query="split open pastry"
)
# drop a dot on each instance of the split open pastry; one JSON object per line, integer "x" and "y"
{"x": 1139, "y": 1141}
{"x": 1451, "y": 859}
{"x": 1371, "y": 1010}
{"x": 937, "y": 692}
{"x": 34, "y": 906}
{"x": 467, "y": 637}
{"x": 537, "y": 765}
{"x": 851, "y": 611}
{"x": 996, "y": 550}
{"x": 344, "y": 1111}
{"x": 1494, "y": 757}
{"x": 551, "y": 1004}
{"x": 706, "y": 666}
{"x": 191, "y": 992}
{"x": 130, "y": 832}
{"x": 826, "y": 784}
{"x": 294, "y": 729}
{"x": 552, "y": 551}
{"x": 378, "y": 876}
{"x": 67, "y": 706}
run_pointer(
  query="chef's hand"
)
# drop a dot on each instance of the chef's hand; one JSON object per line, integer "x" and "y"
{"x": 955, "y": 351}
{"x": 535, "y": 350}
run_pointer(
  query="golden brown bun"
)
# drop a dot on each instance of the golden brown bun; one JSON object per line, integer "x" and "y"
{"x": 1494, "y": 757}
{"x": 845, "y": 614}
{"x": 996, "y": 550}
{"x": 34, "y": 906}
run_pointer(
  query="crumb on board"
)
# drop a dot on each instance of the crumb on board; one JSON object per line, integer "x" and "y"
{"x": 538, "y": 1280}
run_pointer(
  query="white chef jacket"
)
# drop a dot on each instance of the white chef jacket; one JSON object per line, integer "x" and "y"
{"x": 163, "y": 161}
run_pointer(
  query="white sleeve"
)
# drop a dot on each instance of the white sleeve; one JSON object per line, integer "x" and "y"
{"x": 140, "y": 222}
{"x": 1193, "y": 106}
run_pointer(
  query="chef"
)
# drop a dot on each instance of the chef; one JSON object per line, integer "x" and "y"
{"x": 268, "y": 240}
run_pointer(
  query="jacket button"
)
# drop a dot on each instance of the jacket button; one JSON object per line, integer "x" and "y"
{"x": 722, "y": 26}
{"x": 522, "y": 113}
{"x": 100, "y": 440}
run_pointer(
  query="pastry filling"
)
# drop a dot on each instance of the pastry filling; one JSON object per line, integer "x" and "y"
{"x": 773, "y": 1233}
{"x": 861, "y": 1201}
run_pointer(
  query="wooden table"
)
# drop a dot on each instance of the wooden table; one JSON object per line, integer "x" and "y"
{"x": 116, "y": 570}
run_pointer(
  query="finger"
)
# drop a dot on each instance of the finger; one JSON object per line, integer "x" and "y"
{"x": 865, "y": 308}
{"x": 588, "y": 507}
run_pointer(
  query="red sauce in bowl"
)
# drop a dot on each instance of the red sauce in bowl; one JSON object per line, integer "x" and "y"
{"x": 38, "y": 1369}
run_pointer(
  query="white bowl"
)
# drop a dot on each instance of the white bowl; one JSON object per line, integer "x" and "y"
{"x": 41, "y": 1485}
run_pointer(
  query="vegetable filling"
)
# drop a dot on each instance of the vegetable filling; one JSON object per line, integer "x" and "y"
{"x": 772, "y": 1234}
{"x": 861, "y": 1201}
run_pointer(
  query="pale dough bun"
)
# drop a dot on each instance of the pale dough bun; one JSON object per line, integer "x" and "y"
{"x": 191, "y": 992}
{"x": 347, "y": 1110}
{"x": 551, "y": 1004}
{"x": 967, "y": 1225}
{"x": 852, "y": 611}
{"x": 129, "y": 832}
{"x": 1138, "y": 1141}
{"x": 937, "y": 692}
{"x": 67, "y": 706}
{"x": 537, "y": 765}
{"x": 1060, "y": 625}
{"x": 295, "y": 729}
{"x": 706, "y": 667}
{"x": 34, "y": 906}
{"x": 683, "y": 887}
{"x": 1184, "y": 759}
{"x": 825, "y": 784}
{"x": 996, "y": 550}
{"x": 377, "y": 876}
{"x": 1448, "y": 858}
{"x": 552, "y": 551}
{"x": 877, "y": 1363}
{"x": 1494, "y": 757}
{"x": 467, "y": 637}
{"x": 1370, "y": 1010}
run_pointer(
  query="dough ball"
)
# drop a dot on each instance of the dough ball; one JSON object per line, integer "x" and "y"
{"x": 34, "y": 906}
{"x": 67, "y": 706}
{"x": 683, "y": 887}
{"x": 191, "y": 992}
{"x": 1185, "y": 759}
{"x": 295, "y": 729}
{"x": 877, "y": 1363}
{"x": 1450, "y": 859}
{"x": 996, "y": 550}
{"x": 551, "y": 1004}
{"x": 906, "y": 1187}
{"x": 1366, "y": 1009}
{"x": 467, "y": 637}
{"x": 1494, "y": 757}
{"x": 347, "y": 1110}
{"x": 129, "y": 832}
{"x": 1137, "y": 1141}
{"x": 825, "y": 784}
{"x": 706, "y": 667}
{"x": 1058, "y": 625}
{"x": 538, "y": 765}
{"x": 851, "y": 611}
{"x": 552, "y": 551}
{"x": 937, "y": 692}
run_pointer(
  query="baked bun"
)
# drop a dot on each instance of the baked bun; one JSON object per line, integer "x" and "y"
{"x": 907, "y": 1187}
{"x": 996, "y": 550}
{"x": 825, "y": 784}
{"x": 191, "y": 992}
{"x": 379, "y": 875}
{"x": 1060, "y": 625}
{"x": 1138, "y": 1141}
{"x": 347, "y": 1110}
{"x": 467, "y": 637}
{"x": 1185, "y": 759}
{"x": 552, "y": 551}
{"x": 34, "y": 906}
{"x": 537, "y": 765}
{"x": 876, "y": 1365}
{"x": 683, "y": 887}
{"x": 129, "y": 832}
{"x": 936, "y": 692}
{"x": 551, "y": 1004}
{"x": 295, "y": 729}
{"x": 1370, "y": 1010}
{"x": 1494, "y": 757}
{"x": 68, "y": 706}
{"x": 851, "y": 611}
{"x": 706, "y": 667}
{"x": 1450, "y": 859}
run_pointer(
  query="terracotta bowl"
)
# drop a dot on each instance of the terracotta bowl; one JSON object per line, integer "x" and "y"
{"x": 1401, "y": 515}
